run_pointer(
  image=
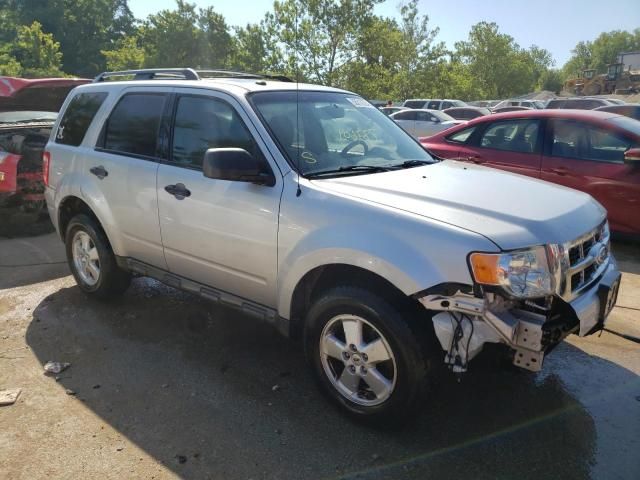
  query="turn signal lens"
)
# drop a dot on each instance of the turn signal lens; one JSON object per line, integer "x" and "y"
{"x": 485, "y": 268}
{"x": 521, "y": 273}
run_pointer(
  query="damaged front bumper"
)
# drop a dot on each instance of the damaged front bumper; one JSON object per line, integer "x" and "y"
{"x": 530, "y": 329}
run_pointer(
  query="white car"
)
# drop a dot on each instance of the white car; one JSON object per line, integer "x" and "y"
{"x": 423, "y": 122}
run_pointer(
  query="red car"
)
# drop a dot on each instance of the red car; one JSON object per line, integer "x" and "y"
{"x": 28, "y": 110}
{"x": 596, "y": 152}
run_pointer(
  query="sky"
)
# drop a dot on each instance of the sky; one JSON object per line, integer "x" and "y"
{"x": 556, "y": 25}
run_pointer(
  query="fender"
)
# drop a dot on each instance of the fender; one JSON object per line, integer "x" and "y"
{"x": 400, "y": 255}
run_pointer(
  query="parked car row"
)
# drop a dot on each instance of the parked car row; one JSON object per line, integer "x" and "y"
{"x": 593, "y": 151}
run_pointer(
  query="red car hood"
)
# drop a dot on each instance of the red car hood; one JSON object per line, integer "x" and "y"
{"x": 43, "y": 94}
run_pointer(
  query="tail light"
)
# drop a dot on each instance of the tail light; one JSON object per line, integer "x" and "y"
{"x": 46, "y": 160}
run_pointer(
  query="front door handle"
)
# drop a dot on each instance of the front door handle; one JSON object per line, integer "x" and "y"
{"x": 560, "y": 170}
{"x": 178, "y": 190}
{"x": 99, "y": 171}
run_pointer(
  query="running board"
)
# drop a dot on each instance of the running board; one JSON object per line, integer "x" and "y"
{"x": 221, "y": 297}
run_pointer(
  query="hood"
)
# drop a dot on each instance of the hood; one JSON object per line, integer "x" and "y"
{"x": 43, "y": 94}
{"x": 511, "y": 210}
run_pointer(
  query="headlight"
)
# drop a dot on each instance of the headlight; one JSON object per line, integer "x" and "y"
{"x": 521, "y": 273}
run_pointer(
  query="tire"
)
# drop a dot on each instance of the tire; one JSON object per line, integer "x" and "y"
{"x": 388, "y": 404}
{"x": 86, "y": 244}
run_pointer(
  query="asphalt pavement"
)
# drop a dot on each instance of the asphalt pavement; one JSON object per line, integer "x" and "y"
{"x": 165, "y": 385}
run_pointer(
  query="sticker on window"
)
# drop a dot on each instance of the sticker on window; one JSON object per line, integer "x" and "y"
{"x": 359, "y": 102}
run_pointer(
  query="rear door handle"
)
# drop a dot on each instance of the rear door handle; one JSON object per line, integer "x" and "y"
{"x": 560, "y": 170}
{"x": 99, "y": 172}
{"x": 178, "y": 190}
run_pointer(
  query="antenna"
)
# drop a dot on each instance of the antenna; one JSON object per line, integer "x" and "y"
{"x": 298, "y": 190}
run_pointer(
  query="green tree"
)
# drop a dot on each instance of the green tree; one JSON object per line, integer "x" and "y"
{"x": 580, "y": 60}
{"x": 84, "y": 28}
{"x": 602, "y": 51}
{"x": 551, "y": 80}
{"x": 186, "y": 37}
{"x": 172, "y": 37}
{"x": 255, "y": 50}
{"x": 126, "y": 55}
{"x": 319, "y": 36}
{"x": 216, "y": 40}
{"x": 607, "y": 46}
{"x": 496, "y": 62}
{"x": 37, "y": 53}
{"x": 419, "y": 55}
{"x": 9, "y": 66}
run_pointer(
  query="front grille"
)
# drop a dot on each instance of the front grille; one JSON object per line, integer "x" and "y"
{"x": 588, "y": 258}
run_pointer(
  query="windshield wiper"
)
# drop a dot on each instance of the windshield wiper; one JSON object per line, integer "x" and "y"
{"x": 349, "y": 169}
{"x": 413, "y": 163}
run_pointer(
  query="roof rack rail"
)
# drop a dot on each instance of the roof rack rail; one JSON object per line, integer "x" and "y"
{"x": 233, "y": 74}
{"x": 185, "y": 74}
{"x": 151, "y": 73}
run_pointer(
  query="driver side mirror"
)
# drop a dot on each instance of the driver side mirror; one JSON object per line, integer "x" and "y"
{"x": 632, "y": 156}
{"x": 236, "y": 165}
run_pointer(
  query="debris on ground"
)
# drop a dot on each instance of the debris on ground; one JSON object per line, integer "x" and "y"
{"x": 96, "y": 386}
{"x": 68, "y": 391}
{"x": 9, "y": 396}
{"x": 275, "y": 388}
{"x": 55, "y": 367}
{"x": 375, "y": 457}
{"x": 181, "y": 458}
{"x": 165, "y": 385}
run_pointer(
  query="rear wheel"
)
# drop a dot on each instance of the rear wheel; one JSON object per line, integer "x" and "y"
{"x": 366, "y": 356}
{"x": 92, "y": 261}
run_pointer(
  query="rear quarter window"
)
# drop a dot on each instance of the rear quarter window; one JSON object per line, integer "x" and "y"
{"x": 78, "y": 116}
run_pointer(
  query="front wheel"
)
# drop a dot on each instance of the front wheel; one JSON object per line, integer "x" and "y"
{"x": 367, "y": 356}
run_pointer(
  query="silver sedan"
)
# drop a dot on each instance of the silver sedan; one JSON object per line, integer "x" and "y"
{"x": 423, "y": 122}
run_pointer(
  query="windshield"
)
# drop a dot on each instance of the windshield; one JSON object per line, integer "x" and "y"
{"x": 335, "y": 131}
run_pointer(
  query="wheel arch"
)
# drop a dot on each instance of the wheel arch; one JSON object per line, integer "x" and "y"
{"x": 323, "y": 277}
{"x": 71, "y": 206}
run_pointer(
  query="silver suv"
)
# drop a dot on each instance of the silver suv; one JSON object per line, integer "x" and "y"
{"x": 310, "y": 209}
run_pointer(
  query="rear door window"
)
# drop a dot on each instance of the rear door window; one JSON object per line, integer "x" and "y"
{"x": 133, "y": 125}
{"x": 434, "y": 105}
{"x": 587, "y": 142}
{"x": 77, "y": 117}
{"x": 512, "y": 135}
